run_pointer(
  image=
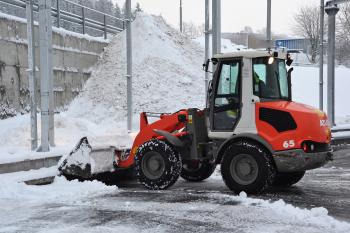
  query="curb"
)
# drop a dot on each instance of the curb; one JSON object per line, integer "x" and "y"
{"x": 40, "y": 181}
{"x": 27, "y": 165}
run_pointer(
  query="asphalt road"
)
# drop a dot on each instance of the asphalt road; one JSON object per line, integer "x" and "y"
{"x": 195, "y": 207}
{"x": 327, "y": 187}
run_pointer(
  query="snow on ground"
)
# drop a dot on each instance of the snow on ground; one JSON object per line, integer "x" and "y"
{"x": 93, "y": 207}
{"x": 60, "y": 189}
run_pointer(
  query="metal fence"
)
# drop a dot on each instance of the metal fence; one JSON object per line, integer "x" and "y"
{"x": 107, "y": 24}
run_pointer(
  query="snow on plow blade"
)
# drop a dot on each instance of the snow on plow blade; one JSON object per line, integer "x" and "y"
{"x": 85, "y": 162}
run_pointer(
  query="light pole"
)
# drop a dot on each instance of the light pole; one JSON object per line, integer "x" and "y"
{"x": 45, "y": 72}
{"x": 321, "y": 54}
{"x": 331, "y": 11}
{"x": 216, "y": 26}
{"x": 207, "y": 33}
{"x": 31, "y": 75}
{"x": 181, "y": 16}
{"x": 128, "y": 64}
{"x": 268, "y": 23}
{"x": 214, "y": 32}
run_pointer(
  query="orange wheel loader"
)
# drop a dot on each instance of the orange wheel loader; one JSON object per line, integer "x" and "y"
{"x": 250, "y": 126}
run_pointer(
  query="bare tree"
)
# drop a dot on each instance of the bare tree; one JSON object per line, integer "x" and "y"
{"x": 192, "y": 30}
{"x": 307, "y": 24}
{"x": 343, "y": 35}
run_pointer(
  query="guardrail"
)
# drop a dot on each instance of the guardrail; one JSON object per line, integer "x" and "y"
{"x": 340, "y": 137}
{"x": 85, "y": 22}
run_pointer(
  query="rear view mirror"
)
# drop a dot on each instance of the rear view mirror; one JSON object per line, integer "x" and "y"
{"x": 289, "y": 59}
{"x": 206, "y": 65}
{"x": 289, "y": 77}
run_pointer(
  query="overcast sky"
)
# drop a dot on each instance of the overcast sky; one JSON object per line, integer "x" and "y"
{"x": 235, "y": 13}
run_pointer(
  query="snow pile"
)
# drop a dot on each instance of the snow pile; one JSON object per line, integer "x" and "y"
{"x": 60, "y": 189}
{"x": 283, "y": 217}
{"x": 226, "y": 45}
{"x": 167, "y": 74}
{"x": 15, "y": 136}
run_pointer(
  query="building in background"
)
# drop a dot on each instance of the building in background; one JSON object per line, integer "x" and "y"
{"x": 300, "y": 44}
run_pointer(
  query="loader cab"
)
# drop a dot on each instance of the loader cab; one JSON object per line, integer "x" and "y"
{"x": 225, "y": 98}
{"x": 240, "y": 80}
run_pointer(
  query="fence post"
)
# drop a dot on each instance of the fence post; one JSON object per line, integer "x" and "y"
{"x": 83, "y": 18}
{"x": 105, "y": 26}
{"x": 31, "y": 75}
{"x": 58, "y": 13}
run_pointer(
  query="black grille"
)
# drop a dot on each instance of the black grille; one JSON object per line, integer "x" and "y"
{"x": 280, "y": 120}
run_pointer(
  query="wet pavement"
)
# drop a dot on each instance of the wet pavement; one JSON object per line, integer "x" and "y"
{"x": 206, "y": 206}
{"x": 327, "y": 187}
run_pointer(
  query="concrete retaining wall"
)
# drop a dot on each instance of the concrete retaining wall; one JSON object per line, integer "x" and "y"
{"x": 73, "y": 58}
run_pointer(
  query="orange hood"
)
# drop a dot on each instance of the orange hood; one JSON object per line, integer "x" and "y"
{"x": 311, "y": 125}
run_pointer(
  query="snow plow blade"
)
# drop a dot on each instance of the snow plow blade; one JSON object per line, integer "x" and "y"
{"x": 85, "y": 162}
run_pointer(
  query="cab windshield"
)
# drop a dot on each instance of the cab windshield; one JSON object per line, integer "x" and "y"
{"x": 270, "y": 79}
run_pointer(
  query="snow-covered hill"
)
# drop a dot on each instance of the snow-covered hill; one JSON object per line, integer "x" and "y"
{"x": 226, "y": 45}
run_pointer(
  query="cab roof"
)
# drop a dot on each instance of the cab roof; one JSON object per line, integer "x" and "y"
{"x": 251, "y": 54}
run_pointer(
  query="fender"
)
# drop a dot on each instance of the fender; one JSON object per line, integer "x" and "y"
{"x": 170, "y": 137}
{"x": 250, "y": 136}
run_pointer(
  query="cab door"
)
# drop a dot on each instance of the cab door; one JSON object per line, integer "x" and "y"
{"x": 225, "y": 100}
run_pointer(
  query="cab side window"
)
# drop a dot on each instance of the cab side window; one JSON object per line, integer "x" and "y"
{"x": 259, "y": 77}
{"x": 227, "y": 99}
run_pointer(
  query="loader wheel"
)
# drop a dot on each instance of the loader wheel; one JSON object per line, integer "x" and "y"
{"x": 198, "y": 172}
{"x": 288, "y": 179}
{"x": 247, "y": 167}
{"x": 158, "y": 165}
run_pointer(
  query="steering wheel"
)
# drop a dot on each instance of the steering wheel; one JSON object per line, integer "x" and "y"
{"x": 233, "y": 103}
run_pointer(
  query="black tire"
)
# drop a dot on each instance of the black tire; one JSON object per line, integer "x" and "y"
{"x": 288, "y": 179}
{"x": 247, "y": 167}
{"x": 157, "y": 164}
{"x": 198, "y": 173}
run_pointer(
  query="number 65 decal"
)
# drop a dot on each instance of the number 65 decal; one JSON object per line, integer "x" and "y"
{"x": 288, "y": 144}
